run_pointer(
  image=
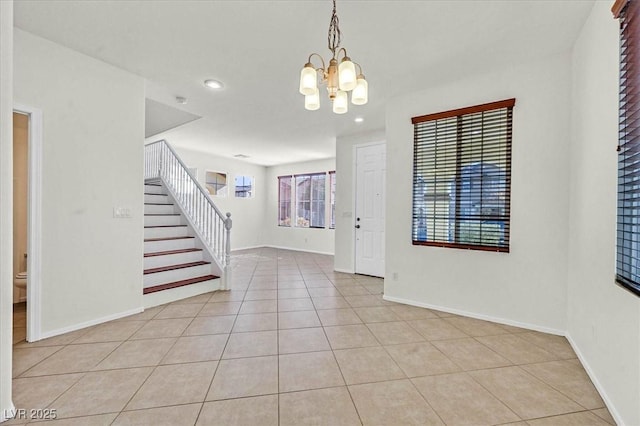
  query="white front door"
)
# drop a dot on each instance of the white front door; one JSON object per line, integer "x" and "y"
{"x": 369, "y": 217}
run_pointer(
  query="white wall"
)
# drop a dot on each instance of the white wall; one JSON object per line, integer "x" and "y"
{"x": 344, "y": 258}
{"x": 304, "y": 239}
{"x": 603, "y": 319}
{"x": 93, "y": 117}
{"x": 6, "y": 203}
{"x": 247, "y": 213}
{"x": 528, "y": 285}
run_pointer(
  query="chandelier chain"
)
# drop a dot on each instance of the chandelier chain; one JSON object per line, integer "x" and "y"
{"x": 334, "y": 36}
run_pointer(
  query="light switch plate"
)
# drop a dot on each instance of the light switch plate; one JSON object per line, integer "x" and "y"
{"x": 121, "y": 212}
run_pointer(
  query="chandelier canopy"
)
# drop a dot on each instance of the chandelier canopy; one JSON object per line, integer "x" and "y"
{"x": 339, "y": 78}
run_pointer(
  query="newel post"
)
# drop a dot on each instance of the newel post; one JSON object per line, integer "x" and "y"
{"x": 226, "y": 280}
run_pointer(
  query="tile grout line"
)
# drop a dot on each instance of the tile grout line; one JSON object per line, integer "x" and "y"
{"x": 215, "y": 371}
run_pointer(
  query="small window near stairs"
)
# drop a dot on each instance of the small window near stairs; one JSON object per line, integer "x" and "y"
{"x": 216, "y": 183}
{"x": 244, "y": 186}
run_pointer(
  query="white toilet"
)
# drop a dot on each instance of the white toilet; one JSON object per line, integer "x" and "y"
{"x": 20, "y": 280}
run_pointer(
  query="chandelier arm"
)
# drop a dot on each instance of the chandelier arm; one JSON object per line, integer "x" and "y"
{"x": 359, "y": 67}
{"x": 344, "y": 52}
{"x": 321, "y": 60}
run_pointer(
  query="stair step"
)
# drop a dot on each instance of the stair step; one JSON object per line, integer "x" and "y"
{"x": 160, "y": 209}
{"x": 153, "y": 193}
{"x": 155, "y": 198}
{"x": 167, "y": 252}
{"x": 162, "y": 231}
{"x": 174, "y": 267}
{"x": 157, "y": 244}
{"x": 173, "y": 219}
{"x": 176, "y": 284}
{"x": 158, "y": 204}
{"x": 163, "y": 214}
{"x": 173, "y": 254}
{"x": 166, "y": 239}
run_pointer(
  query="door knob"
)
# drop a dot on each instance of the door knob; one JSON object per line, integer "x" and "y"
{"x": 357, "y": 226}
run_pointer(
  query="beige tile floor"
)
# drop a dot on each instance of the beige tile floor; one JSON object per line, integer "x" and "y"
{"x": 295, "y": 343}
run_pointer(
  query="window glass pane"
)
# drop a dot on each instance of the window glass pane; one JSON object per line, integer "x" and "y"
{"x": 303, "y": 201}
{"x": 216, "y": 183}
{"x": 332, "y": 198}
{"x": 310, "y": 200}
{"x": 244, "y": 186}
{"x": 284, "y": 201}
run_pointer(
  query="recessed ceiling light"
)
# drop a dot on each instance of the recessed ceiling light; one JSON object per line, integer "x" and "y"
{"x": 358, "y": 119}
{"x": 213, "y": 84}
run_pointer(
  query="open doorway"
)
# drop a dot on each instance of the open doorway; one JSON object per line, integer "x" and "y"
{"x": 27, "y": 201}
{"x": 20, "y": 223}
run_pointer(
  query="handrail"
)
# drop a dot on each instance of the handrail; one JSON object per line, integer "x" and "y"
{"x": 214, "y": 229}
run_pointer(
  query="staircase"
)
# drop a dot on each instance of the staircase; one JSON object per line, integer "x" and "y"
{"x": 186, "y": 238}
{"x": 173, "y": 264}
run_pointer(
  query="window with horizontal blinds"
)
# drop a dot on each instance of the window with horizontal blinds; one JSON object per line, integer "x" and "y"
{"x": 332, "y": 198}
{"x": 284, "y": 201}
{"x": 310, "y": 199}
{"x": 628, "y": 223}
{"x": 462, "y": 177}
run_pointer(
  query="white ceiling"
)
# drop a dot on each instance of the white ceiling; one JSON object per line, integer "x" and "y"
{"x": 257, "y": 49}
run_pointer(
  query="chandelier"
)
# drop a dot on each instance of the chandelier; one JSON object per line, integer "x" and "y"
{"x": 339, "y": 78}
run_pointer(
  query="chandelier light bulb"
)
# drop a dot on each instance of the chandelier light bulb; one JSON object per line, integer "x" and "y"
{"x": 312, "y": 101}
{"x": 308, "y": 80}
{"x": 347, "y": 75}
{"x": 360, "y": 94}
{"x": 341, "y": 102}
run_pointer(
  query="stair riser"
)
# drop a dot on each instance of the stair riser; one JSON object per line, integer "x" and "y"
{"x": 159, "y": 209}
{"x": 162, "y": 220}
{"x": 179, "y": 231}
{"x": 176, "y": 275}
{"x": 172, "y": 259}
{"x": 166, "y": 296}
{"x": 153, "y": 189}
{"x": 153, "y": 198}
{"x": 153, "y": 246}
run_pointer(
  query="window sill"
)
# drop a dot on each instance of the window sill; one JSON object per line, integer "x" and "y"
{"x": 461, "y": 246}
{"x": 628, "y": 285}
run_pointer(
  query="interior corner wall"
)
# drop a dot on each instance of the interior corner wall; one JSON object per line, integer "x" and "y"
{"x": 344, "y": 255}
{"x": 527, "y": 286}
{"x": 247, "y": 213}
{"x": 603, "y": 319}
{"x": 92, "y": 161}
{"x": 315, "y": 240}
{"x": 6, "y": 210}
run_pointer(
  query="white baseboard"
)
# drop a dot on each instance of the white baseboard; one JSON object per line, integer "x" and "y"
{"x": 504, "y": 321}
{"x": 284, "y": 248}
{"x": 344, "y": 271}
{"x": 595, "y": 381}
{"x": 247, "y": 248}
{"x": 8, "y": 413}
{"x": 299, "y": 249}
{"x": 90, "y": 323}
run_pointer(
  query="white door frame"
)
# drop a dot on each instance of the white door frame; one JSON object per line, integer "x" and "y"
{"x": 354, "y": 197}
{"x": 34, "y": 227}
